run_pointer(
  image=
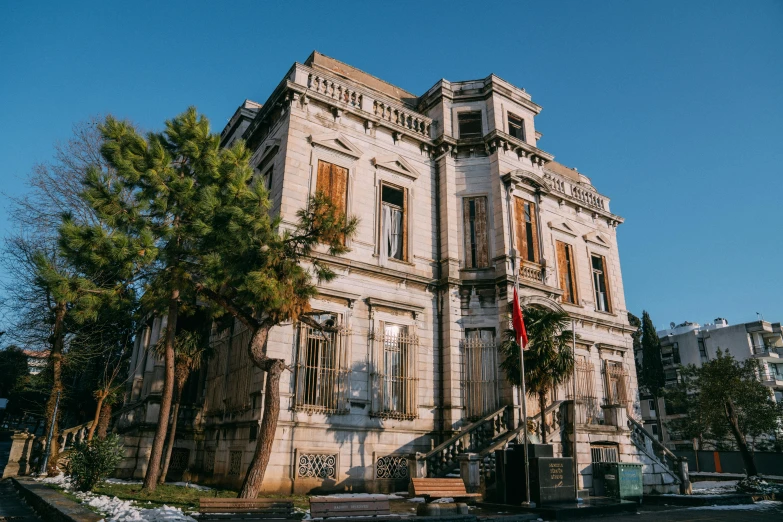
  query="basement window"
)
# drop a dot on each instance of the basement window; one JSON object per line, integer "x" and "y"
{"x": 469, "y": 124}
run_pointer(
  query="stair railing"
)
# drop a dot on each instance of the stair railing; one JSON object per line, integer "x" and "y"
{"x": 443, "y": 458}
{"x": 487, "y": 462}
{"x": 653, "y": 448}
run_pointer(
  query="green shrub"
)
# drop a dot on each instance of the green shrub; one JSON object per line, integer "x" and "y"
{"x": 91, "y": 462}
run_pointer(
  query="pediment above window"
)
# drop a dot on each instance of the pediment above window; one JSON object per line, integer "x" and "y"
{"x": 396, "y": 164}
{"x": 597, "y": 239}
{"x": 562, "y": 227}
{"x": 336, "y": 142}
{"x": 521, "y": 177}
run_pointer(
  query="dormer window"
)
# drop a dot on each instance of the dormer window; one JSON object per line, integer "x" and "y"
{"x": 516, "y": 126}
{"x": 469, "y": 124}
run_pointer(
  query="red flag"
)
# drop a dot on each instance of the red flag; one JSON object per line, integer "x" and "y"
{"x": 518, "y": 322}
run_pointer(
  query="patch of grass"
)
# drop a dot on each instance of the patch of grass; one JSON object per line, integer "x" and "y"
{"x": 178, "y": 496}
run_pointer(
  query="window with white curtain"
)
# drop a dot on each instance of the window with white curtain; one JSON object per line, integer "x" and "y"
{"x": 392, "y": 224}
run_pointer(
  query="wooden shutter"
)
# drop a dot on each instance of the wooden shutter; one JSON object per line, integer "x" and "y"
{"x": 469, "y": 262}
{"x": 606, "y": 284}
{"x": 562, "y": 267}
{"x": 519, "y": 211}
{"x": 574, "y": 285}
{"x": 482, "y": 246}
{"x": 340, "y": 188}
{"x": 534, "y": 226}
{"x": 324, "y": 181}
{"x": 404, "y": 225}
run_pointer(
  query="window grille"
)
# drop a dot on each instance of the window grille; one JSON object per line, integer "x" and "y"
{"x": 209, "y": 461}
{"x": 479, "y": 373}
{"x": 229, "y": 372}
{"x": 604, "y": 453}
{"x": 321, "y": 375}
{"x": 616, "y": 378}
{"x": 179, "y": 459}
{"x": 317, "y": 465}
{"x": 585, "y": 391}
{"x": 234, "y": 463}
{"x": 394, "y": 372}
{"x": 392, "y": 467}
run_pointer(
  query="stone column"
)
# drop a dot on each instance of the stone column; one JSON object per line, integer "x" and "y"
{"x": 685, "y": 480}
{"x": 470, "y": 471}
{"x": 417, "y": 468}
{"x": 19, "y": 457}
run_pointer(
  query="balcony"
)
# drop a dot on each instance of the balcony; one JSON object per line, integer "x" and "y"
{"x": 770, "y": 378}
{"x": 531, "y": 271}
{"x": 766, "y": 352}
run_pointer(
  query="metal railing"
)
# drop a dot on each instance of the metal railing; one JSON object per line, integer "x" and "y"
{"x": 394, "y": 376}
{"x": 479, "y": 382}
{"x": 320, "y": 370}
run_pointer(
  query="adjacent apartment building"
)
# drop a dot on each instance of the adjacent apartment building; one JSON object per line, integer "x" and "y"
{"x": 456, "y": 202}
{"x": 691, "y": 343}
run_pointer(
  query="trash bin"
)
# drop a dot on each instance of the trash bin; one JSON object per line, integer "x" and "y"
{"x": 620, "y": 480}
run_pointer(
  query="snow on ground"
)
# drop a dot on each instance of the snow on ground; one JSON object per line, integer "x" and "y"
{"x": 714, "y": 487}
{"x": 121, "y": 481}
{"x": 760, "y": 505}
{"x": 189, "y": 485}
{"x": 360, "y": 495}
{"x": 117, "y": 510}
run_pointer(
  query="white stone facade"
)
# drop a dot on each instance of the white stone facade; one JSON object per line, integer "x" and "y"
{"x": 450, "y": 284}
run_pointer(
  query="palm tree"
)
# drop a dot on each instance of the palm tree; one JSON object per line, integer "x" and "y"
{"x": 190, "y": 351}
{"x": 549, "y": 360}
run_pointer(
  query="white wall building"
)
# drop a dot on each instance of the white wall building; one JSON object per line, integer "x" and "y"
{"x": 691, "y": 343}
{"x": 447, "y": 185}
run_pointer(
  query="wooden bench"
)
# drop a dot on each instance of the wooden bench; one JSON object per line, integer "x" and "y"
{"x": 364, "y": 506}
{"x": 247, "y": 509}
{"x": 434, "y": 488}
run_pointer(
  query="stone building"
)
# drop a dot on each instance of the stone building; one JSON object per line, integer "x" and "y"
{"x": 692, "y": 343}
{"x": 449, "y": 186}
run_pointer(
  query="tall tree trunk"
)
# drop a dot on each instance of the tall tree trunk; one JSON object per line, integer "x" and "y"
{"x": 104, "y": 420}
{"x": 56, "y": 356}
{"x": 101, "y": 397}
{"x": 181, "y": 376}
{"x": 266, "y": 435}
{"x": 153, "y": 466}
{"x": 739, "y": 437}
{"x": 542, "y": 407}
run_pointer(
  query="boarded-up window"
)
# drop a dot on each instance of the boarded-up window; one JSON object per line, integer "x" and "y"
{"x": 527, "y": 230}
{"x": 394, "y": 219}
{"x": 566, "y": 272}
{"x": 333, "y": 181}
{"x": 475, "y": 219}
{"x": 603, "y": 301}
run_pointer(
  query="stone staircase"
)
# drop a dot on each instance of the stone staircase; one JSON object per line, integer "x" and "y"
{"x": 663, "y": 471}
{"x": 484, "y": 437}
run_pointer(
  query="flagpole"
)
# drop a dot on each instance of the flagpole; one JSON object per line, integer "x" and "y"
{"x": 524, "y": 404}
{"x": 576, "y": 455}
{"x": 523, "y": 399}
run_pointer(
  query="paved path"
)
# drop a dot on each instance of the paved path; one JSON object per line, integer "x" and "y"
{"x": 13, "y": 508}
{"x": 766, "y": 512}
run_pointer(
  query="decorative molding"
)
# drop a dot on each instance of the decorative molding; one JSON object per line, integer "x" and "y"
{"x": 269, "y": 148}
{"x": 596, "y": 239}
{"x": 396, "y": 164}
{"x": 373, "y": 302}
{"x": 521, "y": 177}
{"x": 562, "y": 227}
{"x": 336, "y": 142}
{"x": 338, "y": 294}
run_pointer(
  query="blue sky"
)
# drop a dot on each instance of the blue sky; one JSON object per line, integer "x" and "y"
{"x": 674, "y": 109}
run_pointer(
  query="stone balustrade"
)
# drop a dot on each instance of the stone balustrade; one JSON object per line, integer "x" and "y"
{"x": 407, "y": 119}
{"x": 587, "y": 197}
{"x": 531, "y": 271}
{"x": 334, "y": 90}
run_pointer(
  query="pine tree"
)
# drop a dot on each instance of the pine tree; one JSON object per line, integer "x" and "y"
{"x": 153, "y": 199}
{"x": 652, "y": 377}
{"x": 263, "y": 275}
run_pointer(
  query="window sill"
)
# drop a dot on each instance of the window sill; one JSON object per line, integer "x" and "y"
{"x": 605, "y": 313}
{"x": 394, "y": 259}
